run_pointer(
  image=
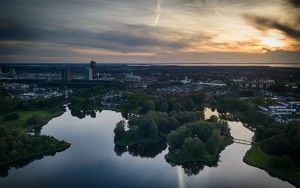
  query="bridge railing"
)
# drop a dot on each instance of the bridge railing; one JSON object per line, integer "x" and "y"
{"x": 242, "y": 141}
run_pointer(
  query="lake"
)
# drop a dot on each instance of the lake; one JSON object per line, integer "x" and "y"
{"x": 92, "y": 161}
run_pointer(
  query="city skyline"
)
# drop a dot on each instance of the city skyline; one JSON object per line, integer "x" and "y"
{"x": 158, "y": 31}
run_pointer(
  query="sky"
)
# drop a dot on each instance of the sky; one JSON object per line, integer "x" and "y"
{"x": 150, "y": 31}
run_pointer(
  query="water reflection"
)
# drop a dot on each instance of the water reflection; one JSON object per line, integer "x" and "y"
{"x": 37, "y": 131}
{"x": 154, "y": 149}
{"x": 142, "y": 150}
{"x": 194, "y": 168}
{"x": 119, "y": 150}
{"x": 82, "y": 114}
{"x": 208, "y": 112}
{"x": 94, "y": 161}
{"x": 180, "y": 176}
{"x": 22, "y": 163}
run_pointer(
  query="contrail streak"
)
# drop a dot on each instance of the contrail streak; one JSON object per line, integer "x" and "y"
{"x": 157, "y": 12}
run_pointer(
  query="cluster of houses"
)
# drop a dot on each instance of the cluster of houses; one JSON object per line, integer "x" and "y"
{"x": 26, "y": 91}
{"x": 283, "y": 111}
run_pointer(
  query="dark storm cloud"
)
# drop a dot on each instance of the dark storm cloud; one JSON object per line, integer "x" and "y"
{"x": 264, "y": 24}
{"x": 290, "y": 27}
{"x": 10, "y": 30}
{"x": 130, "y": 37}
{"x": 295, "y": 3}
{"x": 221, "y": 2}
{"x": 30, "y": 49}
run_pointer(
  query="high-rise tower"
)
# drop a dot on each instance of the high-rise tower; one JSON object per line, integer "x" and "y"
{"x": 88, "y": 74}
{"x": 66, "y": 75}
{"x": 93, "y": 68}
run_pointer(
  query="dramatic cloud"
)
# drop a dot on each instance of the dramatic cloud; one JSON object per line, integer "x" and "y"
{"x": 263, "y": 23}
{"x": 126, "y": 38}
{"x": 150, "y": 30}
{"x": 295, "y": 3}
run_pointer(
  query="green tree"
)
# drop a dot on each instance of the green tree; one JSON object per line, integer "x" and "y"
{"x": 274, "y": 161}
{"x": 164, "y": 107}
{"x": 193, "y": 148}
{"x": 3, "y": 132}
{"x": 199, "y": 98}
{"x": 32, "y": 120}
{"x": 11, "y": 116}
{"x": 202, "y": 129}
{"x": 213, "y": 118}
{"x": 147, "y": 106}
{"x": 119, "y": 131}
{"x": 153, "y": 130}
{"x": 286, "y": 161}
{"x": 233, "y": 104}
{"x": 176, "y": 138}
{"x": 176, "y": 106}
{"x": 188, "y": 104}
{"x": 173, "y": 141}
{"x": 217, "y": 136}
{"x": 172, "y": 124}
{"x": 211, "y": 146}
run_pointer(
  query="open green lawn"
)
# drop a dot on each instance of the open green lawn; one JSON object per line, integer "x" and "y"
{"x": 23, "y": 116}
{"x": 20, "y": 145}
{"x": 257, "y": 158}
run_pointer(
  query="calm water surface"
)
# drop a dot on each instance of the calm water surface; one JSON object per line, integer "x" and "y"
{"x": 92, "y": 162}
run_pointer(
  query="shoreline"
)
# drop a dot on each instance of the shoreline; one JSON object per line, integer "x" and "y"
{"x": 10, "y": 163}
{"x": 279, "y": 173}
{"x": 262, "y": 164}
{"x": 31, "y": 128}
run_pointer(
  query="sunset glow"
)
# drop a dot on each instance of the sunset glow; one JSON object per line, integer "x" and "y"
{"x": 147, "y": 31}
{"x": 272, "y": 42}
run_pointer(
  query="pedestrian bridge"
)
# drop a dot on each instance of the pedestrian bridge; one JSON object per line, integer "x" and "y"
{"x": 241, "y": 141}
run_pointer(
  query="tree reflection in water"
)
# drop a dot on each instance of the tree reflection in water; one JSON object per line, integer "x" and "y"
{"x": 152, "y": 150}
{"x": 142, "y": 150}
{"x": 194, "y": 168}
{"x": 82, "y": 114}
{"x": 22, "y": 163}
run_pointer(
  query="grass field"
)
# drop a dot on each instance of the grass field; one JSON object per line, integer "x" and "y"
{"x": 24, "y": 115}
{"x": 17, "y": 145}
{"x": 43, "y": 115}
{"x": 255, "y": 157}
